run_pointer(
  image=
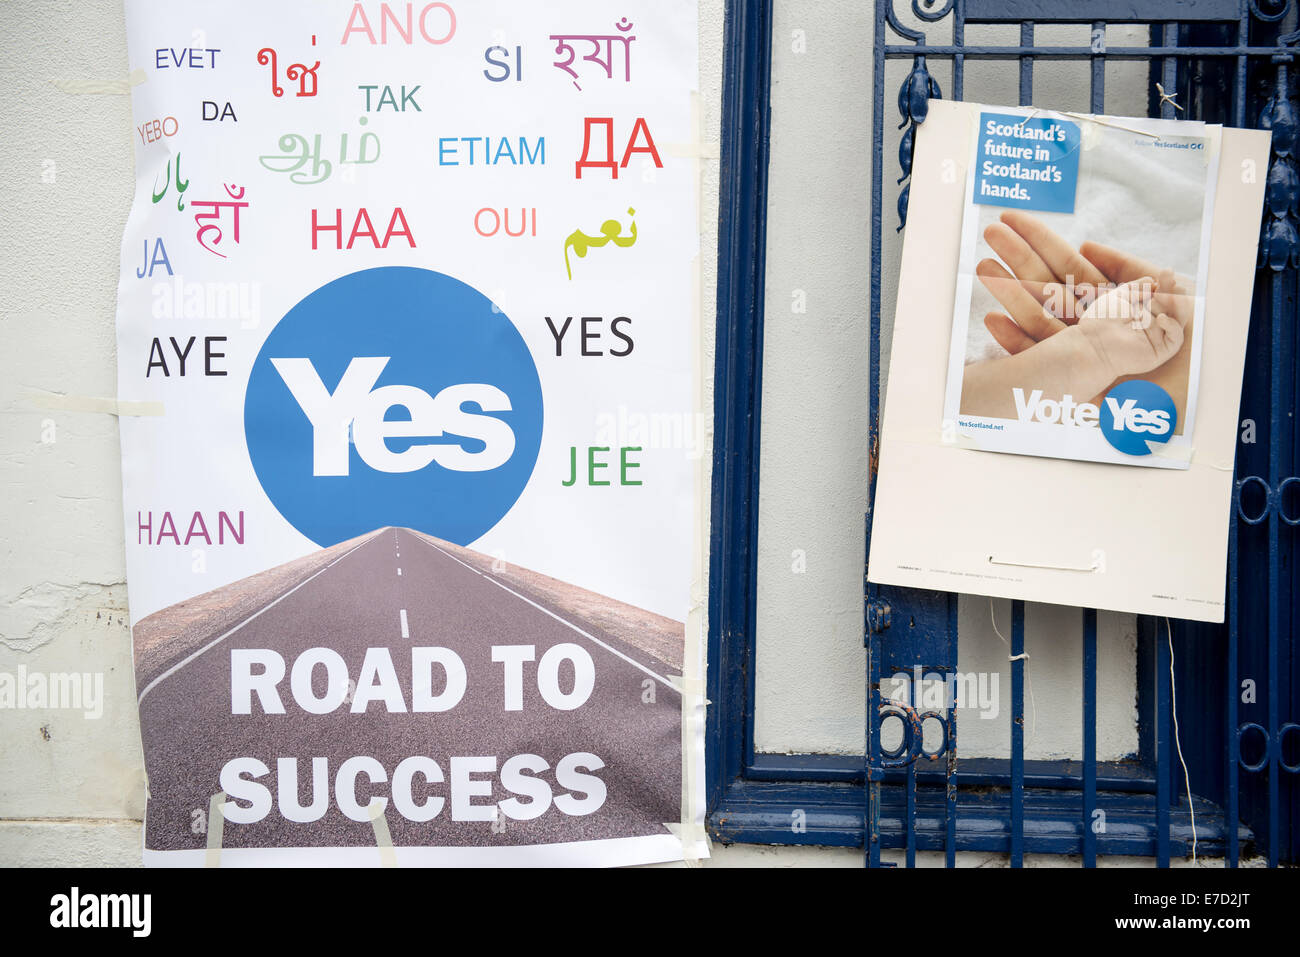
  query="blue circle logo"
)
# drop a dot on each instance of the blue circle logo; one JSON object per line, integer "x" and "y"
{"x": 1135, "y": 413}
{"x": 393, "y": 396}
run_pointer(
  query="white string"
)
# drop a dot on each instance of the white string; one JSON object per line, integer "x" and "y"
{"x": 1167, "y": 98}
{"x": 1173, "y": 692}
{"x": 1029, "y": 685}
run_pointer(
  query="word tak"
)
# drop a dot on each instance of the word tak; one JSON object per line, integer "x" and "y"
{"x": 181, "y": 185}
{"x": 639, "y": 129}
{"x": 296, "y": 152}
{"x": 562, "y": 47}
{"x": 215, "y": 208}
{"x": 611, "y": 231}
{"x": 389, "y": 98}
{"x": 298, "y": 73}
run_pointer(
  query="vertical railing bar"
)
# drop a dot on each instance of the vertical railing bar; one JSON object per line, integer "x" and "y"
{"x": 1017, "y": 733}
{"x": 958, "y": 61}
{"x": 1164, "y": 712}
{"x": 1274, "y": 474}
{"x": 1231, "y": 775}
{"x": 1164, "y": 694}
{"x": 1089, "y": 735}
{"x": 1230, "y": 779}
{"x": 1097, "y": 104}
{"x": 871, "y": 782}
{"x": 1018, "y": 607}
{"x": 915, "y": 695}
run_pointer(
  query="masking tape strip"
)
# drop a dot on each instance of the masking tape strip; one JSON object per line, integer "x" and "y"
{"x": 690, "y": 830}
{"x": 88, "y": 87}
{"x": 58, "y": 402}
{"x": 383, "y": 838}
{"x": 216, "y": 825}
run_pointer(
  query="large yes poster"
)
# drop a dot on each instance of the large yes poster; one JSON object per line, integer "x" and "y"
{"x": 407, "y": 311}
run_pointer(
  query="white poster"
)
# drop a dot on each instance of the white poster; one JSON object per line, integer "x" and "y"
{"x": 407, "y": 310}
{"x": 950, "y": 514}
{"x": 1080, "y": 309}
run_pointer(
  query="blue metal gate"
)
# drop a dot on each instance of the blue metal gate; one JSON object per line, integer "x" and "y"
{"x": 1226, "y": 61}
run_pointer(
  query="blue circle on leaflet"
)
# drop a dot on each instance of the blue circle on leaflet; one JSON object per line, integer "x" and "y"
{"x": 1136, "y": 413}
{"x": 426, "y": 401}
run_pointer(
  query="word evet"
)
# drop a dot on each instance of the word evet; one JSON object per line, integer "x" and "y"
{"x": 190, "y": 58}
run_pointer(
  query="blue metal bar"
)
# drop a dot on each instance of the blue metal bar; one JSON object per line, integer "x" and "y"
{"x": 958, "y": 60}
{"x": 1080, "y": 53}
{"x": 1164, "y": 739}
{"x": 1230, "y": 777}
{"x": 1017, "y": 734}
{"x": 1089, "y": 736}
{"x": 1274, "y": 474}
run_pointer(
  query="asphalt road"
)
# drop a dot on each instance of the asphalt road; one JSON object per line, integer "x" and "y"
{"x": 362, "y": 601}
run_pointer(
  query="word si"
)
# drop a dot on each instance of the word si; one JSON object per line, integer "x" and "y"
{"x": 355, "y": 400}
{"x": 640, "y": 128}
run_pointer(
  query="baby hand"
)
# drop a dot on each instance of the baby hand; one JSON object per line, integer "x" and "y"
{"x": 1138, "y": 326}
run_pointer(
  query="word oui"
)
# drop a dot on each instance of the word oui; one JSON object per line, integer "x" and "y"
{"x": 355, "y": 400}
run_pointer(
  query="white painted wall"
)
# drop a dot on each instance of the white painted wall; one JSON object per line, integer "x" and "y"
{"x": 72, "y": 789}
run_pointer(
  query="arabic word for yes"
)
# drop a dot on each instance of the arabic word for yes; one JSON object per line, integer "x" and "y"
{"x": 610, "y": 231}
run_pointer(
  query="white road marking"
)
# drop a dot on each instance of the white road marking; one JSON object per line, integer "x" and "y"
{"x": 216, "y": 641}
{"x": 399, "y": 571}
{"x": 614, "y": 651}
{"x": 406, "y": 632}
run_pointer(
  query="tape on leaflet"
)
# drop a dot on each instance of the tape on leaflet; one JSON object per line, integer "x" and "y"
{"x": 112, "y": 87}
{"x": 696, "y": 148}
{"x": 59, "y": 402}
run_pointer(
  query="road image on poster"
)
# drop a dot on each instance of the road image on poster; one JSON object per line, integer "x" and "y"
{"x": 410, "y": 538}
{"x": 1080, "y": 307}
